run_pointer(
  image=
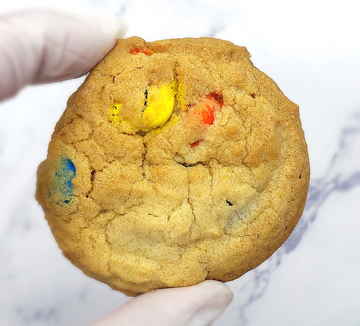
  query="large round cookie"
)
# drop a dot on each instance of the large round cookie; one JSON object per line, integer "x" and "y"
{"x": 176, "y": 161}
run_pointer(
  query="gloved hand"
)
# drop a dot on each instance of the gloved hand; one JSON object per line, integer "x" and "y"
{"x": 197, "y": 305}
{"x": 42, "y": 46}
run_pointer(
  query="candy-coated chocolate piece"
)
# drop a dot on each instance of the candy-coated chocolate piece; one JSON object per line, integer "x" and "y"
{"x": 145, "y": 51}
{"x": 63, "y": 179}
{"x": 204, "y": 112}
{"x": 159, "y": 104}
{"x": 207, "y": 115}
{"x": 114, "y": 115}
{"x": 194, "y": 144}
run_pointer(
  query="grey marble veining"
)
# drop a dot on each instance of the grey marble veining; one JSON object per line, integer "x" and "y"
{"x": 310, "y": 50}
{"x": 342, "y": 175}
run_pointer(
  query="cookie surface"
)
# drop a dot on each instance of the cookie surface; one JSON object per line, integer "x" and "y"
{"x": 176, "y": 161}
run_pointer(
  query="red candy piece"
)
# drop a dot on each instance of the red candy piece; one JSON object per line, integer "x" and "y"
{"x": 195, "y": 143}
{"x": 145, "y": 51}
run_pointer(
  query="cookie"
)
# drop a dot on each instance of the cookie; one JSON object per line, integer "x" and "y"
{"x": 174, "y": 162}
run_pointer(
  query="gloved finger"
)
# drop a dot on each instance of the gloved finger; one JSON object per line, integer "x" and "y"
{"x": 197, "y": 305}
{"x": 40, "y": 46}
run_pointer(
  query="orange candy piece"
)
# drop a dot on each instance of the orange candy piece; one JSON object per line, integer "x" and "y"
{"x": 207, "y": 115}
{"x": 145, "y": 51}
{"x": 208, "y": 106}
{"x": 203, "y": 114}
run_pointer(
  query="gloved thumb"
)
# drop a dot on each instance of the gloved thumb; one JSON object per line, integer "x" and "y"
{"x": 198, "y": 305}
{"x": 41, "y": 46}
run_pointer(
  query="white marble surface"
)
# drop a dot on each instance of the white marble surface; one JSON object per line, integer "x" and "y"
{"x": 312, "y": 50}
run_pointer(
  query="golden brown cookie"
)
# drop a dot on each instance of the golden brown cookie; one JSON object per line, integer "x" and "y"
{"x": 176, "y": 161}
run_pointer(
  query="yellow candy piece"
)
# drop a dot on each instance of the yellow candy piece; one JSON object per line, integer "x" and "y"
{"x": 114, "y": 113}
{"x": 158, "y": 106}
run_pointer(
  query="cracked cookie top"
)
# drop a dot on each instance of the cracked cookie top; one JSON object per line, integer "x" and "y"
{"x": 176, "y": 161}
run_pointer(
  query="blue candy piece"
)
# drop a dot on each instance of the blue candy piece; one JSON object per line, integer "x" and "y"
{"x": 63, "y": 177}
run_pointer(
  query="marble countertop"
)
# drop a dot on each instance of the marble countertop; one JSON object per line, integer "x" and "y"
{"x": 312, "y": 50}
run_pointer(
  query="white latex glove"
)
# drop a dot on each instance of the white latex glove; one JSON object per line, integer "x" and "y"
{"x": 197, "y": 305}
{"x": 41, "y": 46}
